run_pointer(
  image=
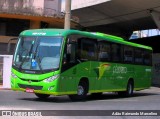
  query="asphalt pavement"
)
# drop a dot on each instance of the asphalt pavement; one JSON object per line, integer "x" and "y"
{"x": 148, "y": 99}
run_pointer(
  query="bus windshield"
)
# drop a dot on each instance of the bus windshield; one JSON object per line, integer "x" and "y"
{"x": 38, "y": 53}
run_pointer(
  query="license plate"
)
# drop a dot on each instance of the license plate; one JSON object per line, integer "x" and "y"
{"x": 28, "y": 90}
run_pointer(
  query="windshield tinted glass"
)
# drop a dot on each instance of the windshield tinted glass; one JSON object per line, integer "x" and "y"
{"x": 38, "y": 53}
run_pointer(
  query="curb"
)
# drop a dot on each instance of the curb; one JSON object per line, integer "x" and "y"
{"x": 5, "y": 89}
{"x": 1, "y": 88}
{"x": 151, "y": 88}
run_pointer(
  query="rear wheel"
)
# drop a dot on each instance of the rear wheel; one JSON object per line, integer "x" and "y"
{"x": 129, "y": 90}
{"x": 42, "y": 96}
{"x": 82, "y": 90}
{"x": 130, "y": 87}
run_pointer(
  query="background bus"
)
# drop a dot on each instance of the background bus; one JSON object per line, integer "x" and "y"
{"x": 71, "y": 62}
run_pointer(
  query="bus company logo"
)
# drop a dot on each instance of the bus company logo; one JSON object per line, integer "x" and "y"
{"x": 119, "y": 69}
{"x": 102, "y": 69}
{"x": 105, "y": 65}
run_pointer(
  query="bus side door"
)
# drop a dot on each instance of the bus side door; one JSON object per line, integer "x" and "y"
{"x": 69, "y": 67}
{"x": 89, "y": 63}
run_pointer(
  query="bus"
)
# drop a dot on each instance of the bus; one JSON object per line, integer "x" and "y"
{"x": 77, "y": 63}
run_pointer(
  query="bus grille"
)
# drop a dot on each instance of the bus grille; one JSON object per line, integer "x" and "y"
{"x": 31, "y": 87}
{"x": 31, "y": 80}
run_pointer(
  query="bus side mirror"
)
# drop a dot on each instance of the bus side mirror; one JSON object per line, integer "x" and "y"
{"x": 12, "y": 40}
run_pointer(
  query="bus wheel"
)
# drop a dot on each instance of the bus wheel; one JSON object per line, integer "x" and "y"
{"x": 129, "y": 90}
{"x": 81, "y": 92}
{"x": 42, "y": 96}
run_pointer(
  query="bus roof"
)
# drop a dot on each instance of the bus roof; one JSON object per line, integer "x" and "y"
{"x": 96, "y": 35}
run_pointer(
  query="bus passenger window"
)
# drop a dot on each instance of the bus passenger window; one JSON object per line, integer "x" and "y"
{"x": 104, "y": 52}
{"x": 88, "y": 49}
{"x": 128, "y": 54}
{"x": 116, "y": 52}
{"x": 147, "y": 58}
{"x": 138, "y": 56}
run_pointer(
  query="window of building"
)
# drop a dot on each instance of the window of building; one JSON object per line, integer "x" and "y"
{"x": 16, "y": 26}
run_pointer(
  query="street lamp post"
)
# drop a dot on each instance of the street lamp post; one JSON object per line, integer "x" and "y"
{"x": 67, "y": 14}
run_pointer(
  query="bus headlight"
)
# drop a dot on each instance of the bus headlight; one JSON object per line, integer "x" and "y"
{"x": 13, "y": 75}
{"x": 50, "y": 79}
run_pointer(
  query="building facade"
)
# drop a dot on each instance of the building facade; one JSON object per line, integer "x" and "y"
{"x": 19, "y": 15}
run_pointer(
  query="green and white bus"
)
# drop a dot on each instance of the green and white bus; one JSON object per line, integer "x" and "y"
{"x": 76, "y": 63}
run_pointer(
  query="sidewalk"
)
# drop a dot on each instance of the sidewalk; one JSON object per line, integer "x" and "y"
{"x": 153, "y": 89}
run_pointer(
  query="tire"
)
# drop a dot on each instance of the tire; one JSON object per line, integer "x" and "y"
{"x": 82, "y": 91}
{"x": 42, "y": 96}
{"x": 129, "y": 90}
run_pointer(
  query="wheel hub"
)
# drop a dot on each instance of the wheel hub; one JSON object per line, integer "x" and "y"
{"x": 80, "y": 90}
{"x": 130, "y": 89}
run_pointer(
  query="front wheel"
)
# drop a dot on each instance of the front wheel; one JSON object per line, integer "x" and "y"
{"x": 81, "y": 92}
{"x": 42, "y": 96}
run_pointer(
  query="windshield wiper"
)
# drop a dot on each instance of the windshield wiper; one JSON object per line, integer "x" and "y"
{"x": 36, "y": 56}
{"x": 39, "y": 64}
